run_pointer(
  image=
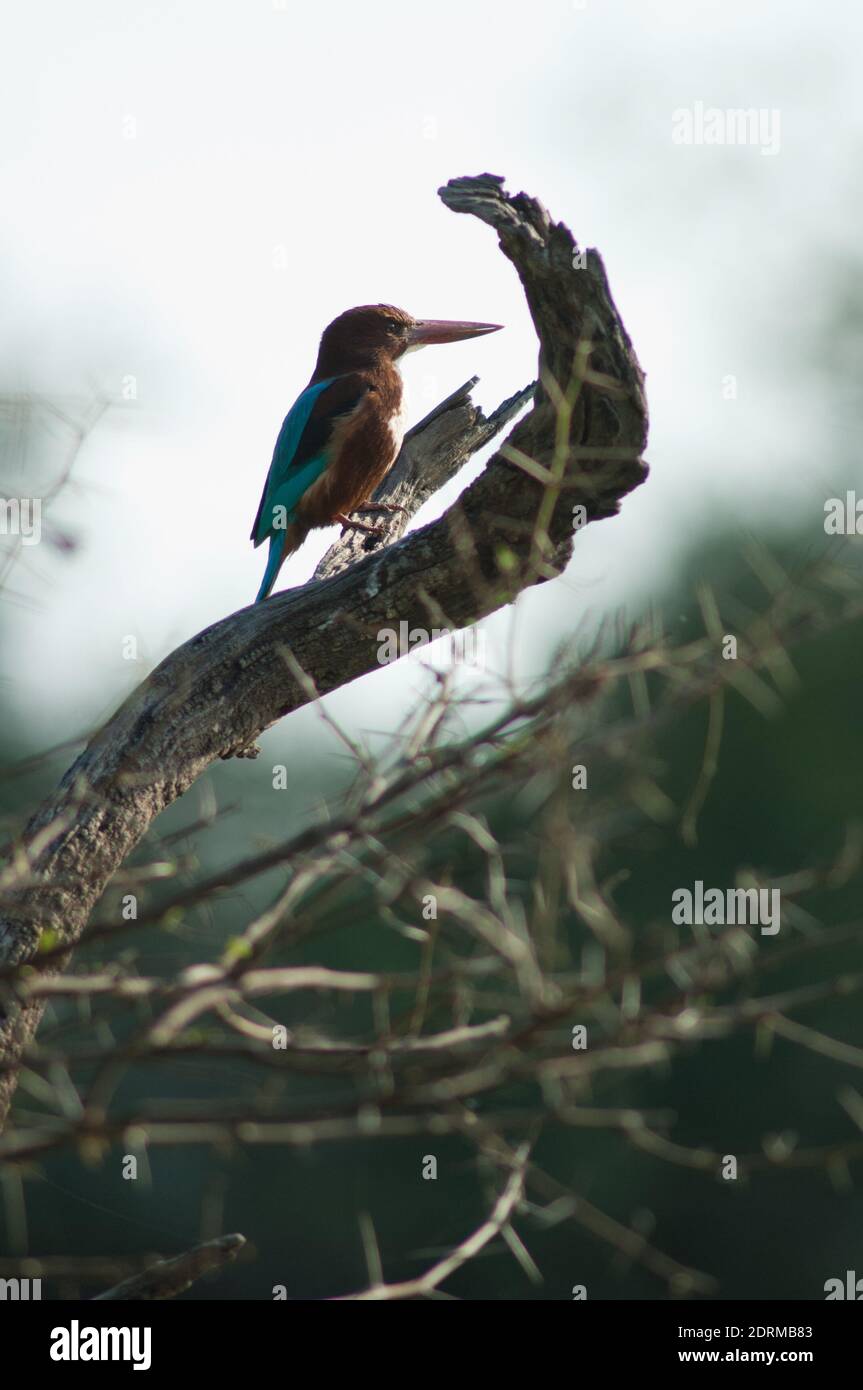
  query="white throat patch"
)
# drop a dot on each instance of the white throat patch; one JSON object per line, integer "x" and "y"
{"x": 398, "y": 424}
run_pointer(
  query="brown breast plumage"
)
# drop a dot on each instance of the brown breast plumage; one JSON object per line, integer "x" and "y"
{"x": 363, "y": 448}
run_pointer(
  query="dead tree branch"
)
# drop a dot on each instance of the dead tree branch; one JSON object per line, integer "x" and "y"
{"x": 579, "y": 445}
{"x": 167, "y": 1278}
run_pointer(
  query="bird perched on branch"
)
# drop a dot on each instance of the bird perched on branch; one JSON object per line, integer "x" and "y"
{"x": 343, "y": 434}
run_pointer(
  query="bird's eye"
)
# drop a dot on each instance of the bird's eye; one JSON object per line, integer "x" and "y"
{"x": 394, "y": 326}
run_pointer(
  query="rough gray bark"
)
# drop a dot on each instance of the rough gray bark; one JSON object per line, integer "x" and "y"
{"x": 511, "y": 528}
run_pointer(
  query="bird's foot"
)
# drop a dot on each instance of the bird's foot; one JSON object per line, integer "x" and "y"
{"x": 357, "y": 525}
{"x": 381, "y": 507}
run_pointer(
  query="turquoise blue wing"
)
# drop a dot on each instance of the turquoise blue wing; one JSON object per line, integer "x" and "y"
{"x": 289, "y": 477}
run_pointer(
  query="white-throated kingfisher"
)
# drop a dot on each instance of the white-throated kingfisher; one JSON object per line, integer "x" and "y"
{"x": 343, "y": 434}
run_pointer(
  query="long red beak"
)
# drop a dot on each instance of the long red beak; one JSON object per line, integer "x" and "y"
{"x": 447, "y": 331}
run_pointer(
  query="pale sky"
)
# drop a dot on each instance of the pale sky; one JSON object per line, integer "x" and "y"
{"x": 193, "y": 190}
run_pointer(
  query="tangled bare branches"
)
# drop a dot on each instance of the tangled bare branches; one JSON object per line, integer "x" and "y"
{"x": 449, "y": 1047}
{"x": 512, "y": 997}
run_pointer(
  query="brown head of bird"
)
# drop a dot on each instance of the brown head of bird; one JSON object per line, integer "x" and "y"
{"x": 371, "y": 334}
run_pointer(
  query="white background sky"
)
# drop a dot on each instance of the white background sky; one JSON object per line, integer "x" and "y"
{"x": 320, "y": 134}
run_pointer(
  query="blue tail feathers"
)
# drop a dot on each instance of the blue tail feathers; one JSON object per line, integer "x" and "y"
{"x": 274, "y": 560}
